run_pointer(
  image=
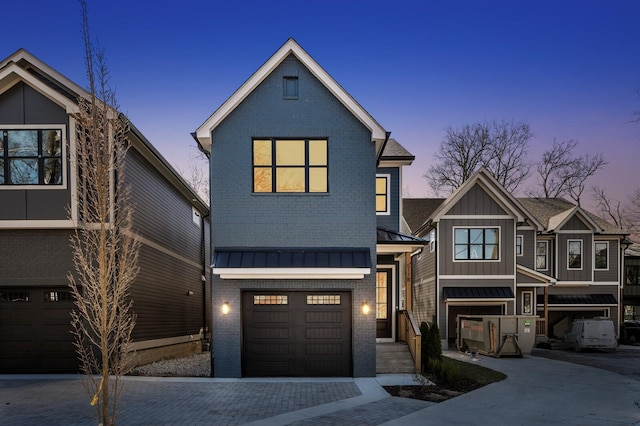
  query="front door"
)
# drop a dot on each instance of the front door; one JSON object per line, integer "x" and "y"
{"x": 383, "y": 303}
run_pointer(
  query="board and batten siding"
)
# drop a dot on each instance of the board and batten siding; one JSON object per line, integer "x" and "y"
{"x": 505, "y": 266}
{"x": 22, "y": 105}
{"x": 478, "y": 203}
{"x": 610, "y": 274}
{"x": 583, "y": 274}
{"x": 528, "y": 258}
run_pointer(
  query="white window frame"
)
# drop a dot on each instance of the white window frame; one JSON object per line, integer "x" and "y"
{"x": 531, "y": 302}
{"x": 575, "y": 240}
{"x": 595, "y": 268}
{"x": 499, "y": 239}
{"x": 521, "y": 245}
{"x": 387, "y": 177}
{"x": 546, "y": 255}
{"x": 63, "y": 142}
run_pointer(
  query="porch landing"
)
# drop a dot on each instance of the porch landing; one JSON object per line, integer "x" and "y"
{"x": 394, "y": 358}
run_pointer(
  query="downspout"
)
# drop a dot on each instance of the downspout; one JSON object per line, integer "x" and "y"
{"x": 384, "y": 144}
{"x": 203, "y": 278}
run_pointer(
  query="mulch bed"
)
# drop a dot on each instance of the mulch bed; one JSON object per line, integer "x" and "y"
{"x": 433, "y": 393}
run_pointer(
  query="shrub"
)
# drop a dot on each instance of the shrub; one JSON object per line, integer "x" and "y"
{"x": 431, "y": 346}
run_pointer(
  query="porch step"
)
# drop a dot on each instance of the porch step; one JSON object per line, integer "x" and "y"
{"x": 394, "y": 358}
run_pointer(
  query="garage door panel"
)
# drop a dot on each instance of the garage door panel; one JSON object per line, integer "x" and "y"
{"x": 35, "y": 332}
{"x": 319, "y": 334}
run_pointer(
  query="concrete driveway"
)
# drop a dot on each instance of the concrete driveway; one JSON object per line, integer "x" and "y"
{"x": 625, "y": 361}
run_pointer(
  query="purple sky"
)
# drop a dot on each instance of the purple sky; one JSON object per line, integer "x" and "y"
{"x": 571, "y": 69}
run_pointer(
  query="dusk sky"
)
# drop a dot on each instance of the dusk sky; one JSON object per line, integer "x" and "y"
{"x": 571, "y": 69}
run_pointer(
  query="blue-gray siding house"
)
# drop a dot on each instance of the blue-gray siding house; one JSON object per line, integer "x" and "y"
{"x": 293, "y": 165}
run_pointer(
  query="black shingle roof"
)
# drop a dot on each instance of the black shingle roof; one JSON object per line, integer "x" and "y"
{"x": 387, "y": 236}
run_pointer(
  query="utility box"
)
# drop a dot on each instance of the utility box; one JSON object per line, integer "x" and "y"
{"x": 496, "y": 335}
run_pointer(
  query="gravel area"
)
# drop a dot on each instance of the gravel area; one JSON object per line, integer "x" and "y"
{"x": 197, "y": 365}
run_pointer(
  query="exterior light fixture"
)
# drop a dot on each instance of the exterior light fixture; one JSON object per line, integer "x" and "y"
{"x": 365, "y": 308}
{"x": 190, "y": 293}
{"x": 225, "y": 308}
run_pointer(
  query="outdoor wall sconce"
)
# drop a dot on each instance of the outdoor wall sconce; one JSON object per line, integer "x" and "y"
{"x": 190, "y": 293}
{"x": 225, "y": 308}
{"x": 365, "y": 308}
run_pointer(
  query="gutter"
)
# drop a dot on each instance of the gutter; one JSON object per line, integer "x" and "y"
{"x": 194, "y": 135}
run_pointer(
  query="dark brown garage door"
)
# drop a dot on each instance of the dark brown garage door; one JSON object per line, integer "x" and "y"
{"x": 302, "y": 334}
{"x": 35, "y": 331}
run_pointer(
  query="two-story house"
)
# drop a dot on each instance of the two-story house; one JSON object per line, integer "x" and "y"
{"x": 490, "y": 253}
{"x": 301, "y": 178}
{"x": 39, "y": 177}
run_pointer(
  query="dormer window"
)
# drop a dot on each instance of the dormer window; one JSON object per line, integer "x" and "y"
{"x": 31, "y": 156}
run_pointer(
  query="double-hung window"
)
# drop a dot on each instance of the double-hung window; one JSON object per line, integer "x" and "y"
{"x": 574, "y": 254}
{"x": 541, "y": 255}
{"x": 601, "y": 249}
{"x": 476, "y": 243}
{"x": 31, "y": 156}
{"x": 290, "y": 165}
{"x": 519, "y": 245}
{"x": 382, "y": 194}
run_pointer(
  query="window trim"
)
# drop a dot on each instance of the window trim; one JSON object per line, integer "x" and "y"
{"x": 498, "y": 228}
{"x": 521, "y": 245}
{"x": 595, "y": 263}
{"x": 569, "y": 241}
{"x": 274, "y": 167}
{"x": 64, "y": 160}
{"x": 387, "y": 177}
{"x": 285, "y": 80}
{"x": 546, "y": 255}
{"x": 532, "y": 308}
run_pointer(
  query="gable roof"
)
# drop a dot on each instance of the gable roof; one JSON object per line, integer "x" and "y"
{"x": 553, "y": 213}
{"x": 291, "y": 47}
{"x": 488, "y": 183}
{"x": 22, "y": 66}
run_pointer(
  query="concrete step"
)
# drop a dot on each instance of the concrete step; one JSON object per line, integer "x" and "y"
{"x": 394, "y": 358}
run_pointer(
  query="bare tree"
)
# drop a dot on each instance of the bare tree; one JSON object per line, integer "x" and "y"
{"x": 501, "y": 147}
{"x": 105, "y": 254}
{"x": 196, "y": 173}
{"x": 609, "y": 209}
{"x": 563, "y": 174}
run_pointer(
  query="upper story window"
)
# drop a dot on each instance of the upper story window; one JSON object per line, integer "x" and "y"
{"x": 632, "y": 274}
{"x": 574, "y": 254}
{"x": 290, "y": 165}
{"x": 290, "y": 87}
{"x": 519, "y": 243}
{"x": 601, "y": 258}
{"x": 476, "y": 243}
{"x": 382, "y": 194}
{"x": 541, "y": 255}
{"x": 31, "y": 157}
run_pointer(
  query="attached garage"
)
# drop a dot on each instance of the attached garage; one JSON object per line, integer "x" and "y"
{"x": 35, "y": 325}
{"x": 297, "y": 333}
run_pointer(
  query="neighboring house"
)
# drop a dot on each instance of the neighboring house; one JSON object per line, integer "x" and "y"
{"x": 490, "y": 253}
{"x": 298, "y": 171}
{"x": 631, "y": 289}
{"x": 39, "y": 213}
